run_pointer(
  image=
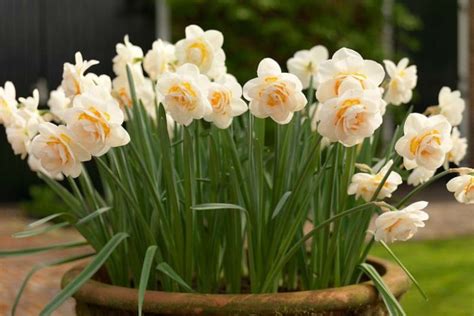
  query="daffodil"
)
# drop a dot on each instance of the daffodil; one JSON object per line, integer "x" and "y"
{"x": 21, "y": 130}
{"x": 57, "y": 150}
{"x": 402, "y": 81}
{"x": 459, "y": 150}
{"x": 74, "y": 79}
{"x": 451, "y": 105}
{"x": 184, "y": 94}
{"x": 463, "y": 188}
{"x": 58, "y": 103}
{"x": 420, "y": 175}
{"x": 8, "y": 103}
{"x": 425, "y": 142}
{"x": 347, "y": 64}
{"x": 225, "y": 97}
{"x": 402, "y": 224}
{"x": 159, "y": 59}
{"x": 352, "y": 116}
{"x": 273, "y": 93}
{"x": 305, "y": 64}
{"x": 95, "y": 121}
{"x": 35, "y": 166}
{"x": 365, "y": 184}
{"x": 127, "y": 54}
{"x": 203, "y": 49}
{"x": 143, "y": 87}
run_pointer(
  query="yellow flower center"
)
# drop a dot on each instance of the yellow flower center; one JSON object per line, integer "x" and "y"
{"x": 470, "y": 186}
{"x": 341, "y": 76}
{"x": 183, "y": 94}
{"x": 416, "y": 142}
{"x": 126, "y": 100}
{"x": 97, "y": 119}
{"x": 393, "y": 226}
{"x": 59, "y": 142}
{"x": 343, "y": 109}
{"x": 219, "y": 100}
{"x": 197, "y": 53}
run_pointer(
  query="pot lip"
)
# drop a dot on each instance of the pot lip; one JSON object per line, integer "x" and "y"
{"x": 346, "y": 297}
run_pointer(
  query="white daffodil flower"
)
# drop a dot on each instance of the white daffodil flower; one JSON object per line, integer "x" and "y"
{"x": 459, "y": 150}
{"x": 159, "y": 59}
{"x": 203, "y": 49}
{"x": 8, "y": 103}
{"x": 451, "y": 105}
{"x": 74, "y": 79}
{"x": 57, "y": 150}
{"x": 225, "y": 97}
{"x": 344, "y": 64}
{"x": 127, "y": 54}
{"x": 21, "y": 130}
{"x": 402, "y": 81}
{"x": 420, "y": 175}
{"x": 58, "y": 103}
{"x": 402, "y": 224}
{"x": 364, "y": 184}
{"x": 95, "y": 121}
{"x": 463, "y": 188}
{"x": 425, "y": 142}
{"x": 35, "y": 166}
{"x": 352, "y": 116}
{"x": 184, "y": 94}
{"x": 143, "y": 88}
{"x": 273, "y": 93}
{"x": 305, "y": 64}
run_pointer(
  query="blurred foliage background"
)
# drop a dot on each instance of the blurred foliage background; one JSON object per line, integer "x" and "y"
{"x": 261, "y": 28}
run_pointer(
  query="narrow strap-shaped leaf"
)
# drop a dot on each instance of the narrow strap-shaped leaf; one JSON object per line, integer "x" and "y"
{"x": 217, "y": 206}
{"x": 280, "y": 204}
{"x": 39, "y": 230}
{"x": 150, "y": 254}
{"x": 41, "y": 266}
{"x": 85, "y": 274}
{"x": 399, "y": 262}
{"x": 47, "y": 219}
{"x": 93, "y": 215}
{"x": 391, "y": 302}
{"x": 29, "y": 251}
{"x": 166, "y": 269}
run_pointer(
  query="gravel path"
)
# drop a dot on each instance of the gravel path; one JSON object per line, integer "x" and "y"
{"x": 448, "y": 219}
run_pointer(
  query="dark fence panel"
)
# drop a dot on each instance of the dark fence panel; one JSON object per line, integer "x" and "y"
{"x": 39, "y": 36}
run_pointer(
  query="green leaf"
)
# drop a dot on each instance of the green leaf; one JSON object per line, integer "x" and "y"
{"x": 47, "y": 219}
{"x": 39, "y": 230}
{"x": 29, "y": 251}
{"x": 93, "y": 215}
{"x": 40, "y": 266}
{"x": 280, "y": 204}
{"x": 398, "y": 261}
{"x": 391, "y": 302}
{"x": 166, "y": 269}
{"x": 217, "y": 206}
{"x": 85, "y": 274}
{"x": 150, "y": 254}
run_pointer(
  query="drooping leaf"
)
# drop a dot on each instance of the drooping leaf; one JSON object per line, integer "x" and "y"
{"x": 166, "y": 269}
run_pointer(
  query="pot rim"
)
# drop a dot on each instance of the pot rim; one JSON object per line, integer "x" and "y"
{"x": 178, "y": 303}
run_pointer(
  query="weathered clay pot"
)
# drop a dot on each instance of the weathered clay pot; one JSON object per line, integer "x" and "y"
{"x": 96, "y": 298}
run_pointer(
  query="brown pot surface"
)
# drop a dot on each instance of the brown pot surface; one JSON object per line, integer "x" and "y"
{"x": 97, "y": 298}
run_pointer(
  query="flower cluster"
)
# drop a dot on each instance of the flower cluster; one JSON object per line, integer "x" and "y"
{"x": 351, "y": 104}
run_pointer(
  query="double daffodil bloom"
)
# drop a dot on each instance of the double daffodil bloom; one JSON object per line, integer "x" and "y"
{"x": 365, "y": 184}
{"x": 403, "y": 80}
{"x": 8, "y": 103}
{"x": 127, "y": 54}
{"x": 463, "y": 188}
{"x": 347, "y": 64}
{"x": 95, "y": 121}
{"x": 451, "y": 105}
{"x": 273, "y": 93}
{"x": 305, "y": 64}
{"x": 159, "y": 59}
{"x": 425, "y": 142}
{"x": 74, "y": 79}
{"x": 184, "y": 94}
{"x": 225, "y": 97}
{"x": 57, "y": 151}
{"x": 402, "y": 224}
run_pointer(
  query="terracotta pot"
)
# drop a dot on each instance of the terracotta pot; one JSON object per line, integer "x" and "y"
{"x": 96, "y": 298}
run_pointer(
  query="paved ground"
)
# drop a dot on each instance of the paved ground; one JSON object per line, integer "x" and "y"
{"x": 447, "y": 219}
